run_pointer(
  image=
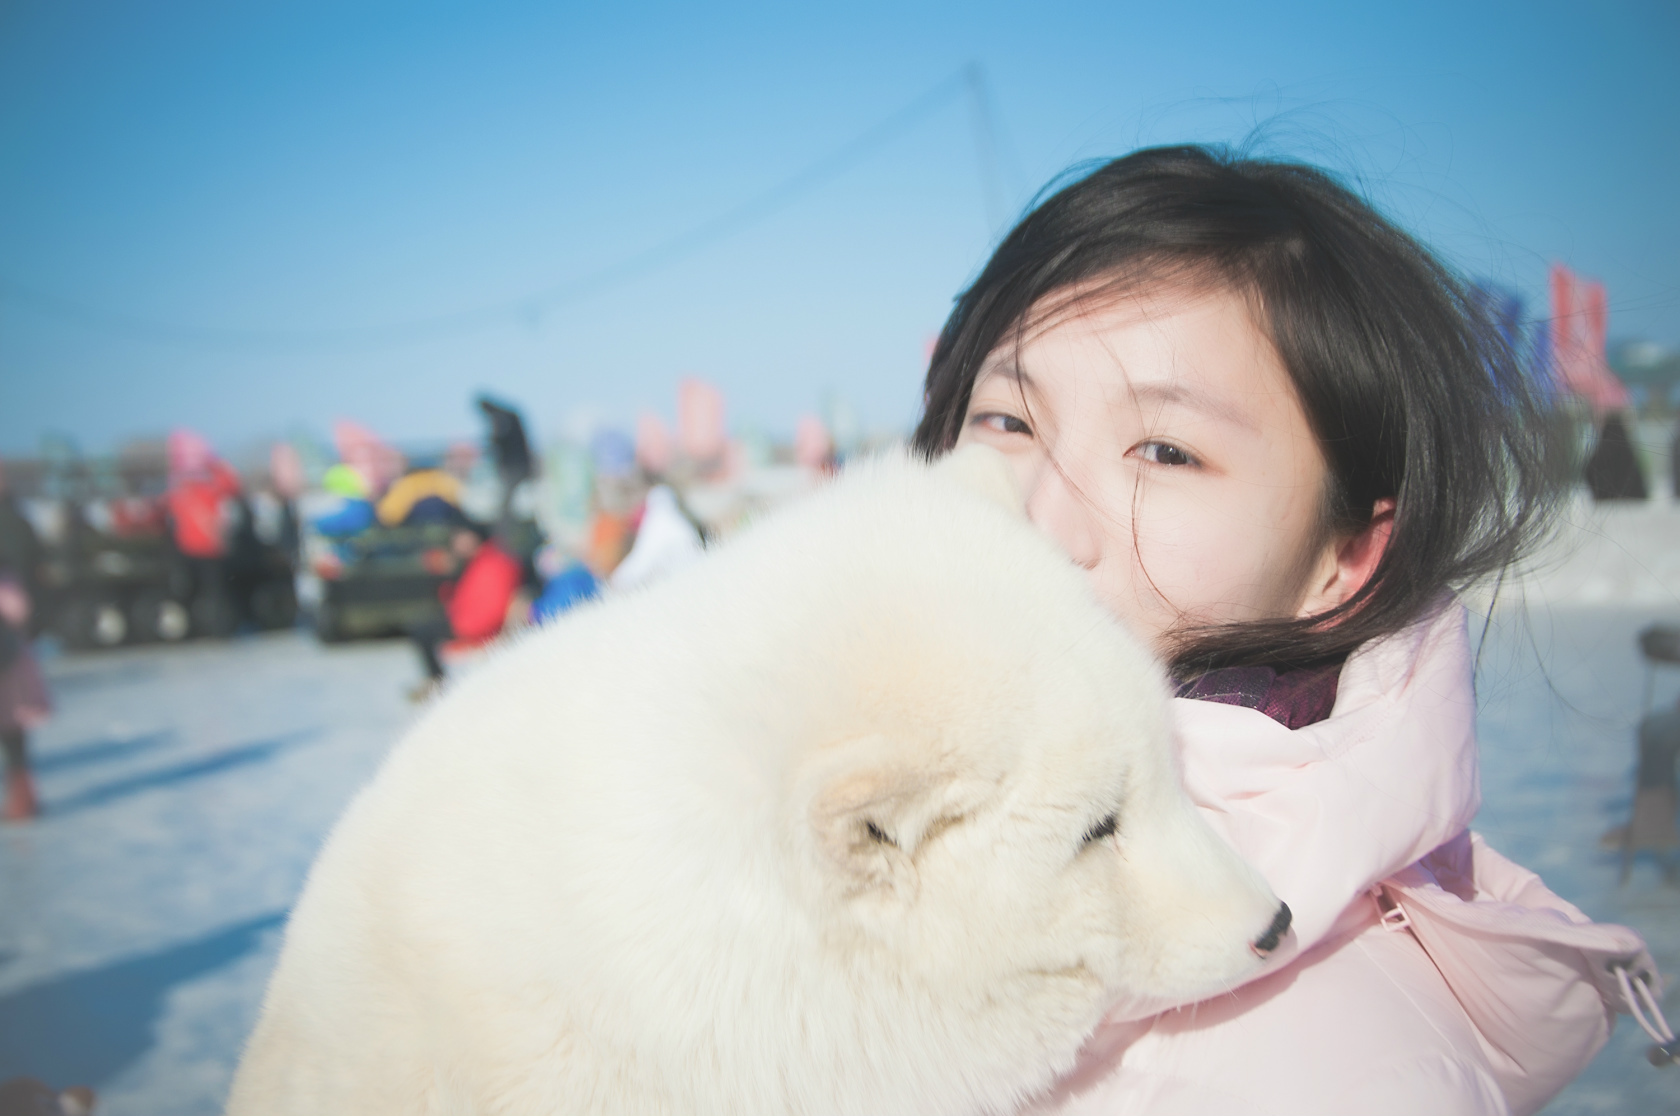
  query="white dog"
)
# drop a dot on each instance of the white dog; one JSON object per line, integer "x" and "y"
{"x": 871, "y": 811}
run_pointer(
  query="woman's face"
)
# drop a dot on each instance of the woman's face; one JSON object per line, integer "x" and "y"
{"x": 1158, "y": 439}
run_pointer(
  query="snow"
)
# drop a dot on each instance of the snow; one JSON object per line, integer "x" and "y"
{"x": 1560, "y": 689}
{"x": 188, "y": 788}
{"x": 186, "y": 792}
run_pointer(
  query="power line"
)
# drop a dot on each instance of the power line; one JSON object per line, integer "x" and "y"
{"x": 985, "y": 147}
{"x": 532, "y": 306}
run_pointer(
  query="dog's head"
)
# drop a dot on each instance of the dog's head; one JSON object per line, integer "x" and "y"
{"x": 990, "y": 811}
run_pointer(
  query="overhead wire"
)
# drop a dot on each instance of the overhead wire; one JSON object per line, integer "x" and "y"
{"x": 530, "y": 307}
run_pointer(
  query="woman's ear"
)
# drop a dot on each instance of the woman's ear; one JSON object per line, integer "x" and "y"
{"x": 1348, "y": 562}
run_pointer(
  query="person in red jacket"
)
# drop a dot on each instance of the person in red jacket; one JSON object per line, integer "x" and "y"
{"x": 475, "y": 604}
{"x": 196, "y": 512}
{"x": 200, "y": 487}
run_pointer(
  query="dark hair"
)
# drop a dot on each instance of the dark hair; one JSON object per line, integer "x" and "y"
{"x": 1412, "y": 393}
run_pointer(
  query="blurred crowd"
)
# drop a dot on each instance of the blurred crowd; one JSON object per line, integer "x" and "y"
{"x": 448, "y": 545}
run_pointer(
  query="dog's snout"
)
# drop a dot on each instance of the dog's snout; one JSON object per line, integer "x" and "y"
{"x": 1265, "y": 943}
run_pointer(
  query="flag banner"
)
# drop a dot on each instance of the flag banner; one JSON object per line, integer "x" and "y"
{"x": 1580, "y": 327}
{"x": 700, "y": 420}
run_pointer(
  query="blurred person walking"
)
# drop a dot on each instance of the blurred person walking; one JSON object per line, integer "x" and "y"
{"x": 510, "y": 449}
{"x": 201, "y": 486}
{"x": 24, "y": 702}
{"x": 475, "y": 605}
{"x": 666, "y": 540}
{"x": 20, "y": 548}
{"x": 286, "y": 481}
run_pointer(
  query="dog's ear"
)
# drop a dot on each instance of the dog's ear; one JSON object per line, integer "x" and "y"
{"x": 983, "y": 470}
{"x": 869, "y": 804}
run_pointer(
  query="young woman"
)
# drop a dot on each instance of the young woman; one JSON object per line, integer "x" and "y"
{"x": 1277, "y": 434}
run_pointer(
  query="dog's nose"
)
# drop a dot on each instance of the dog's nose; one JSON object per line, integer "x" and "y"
{"x": 1265, "y": 943}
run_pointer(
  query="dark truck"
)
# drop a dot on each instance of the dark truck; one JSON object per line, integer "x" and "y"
{"x": 384, "y": 581}
{"x": 123, "y": 581}
{"x": 106, "y": 589}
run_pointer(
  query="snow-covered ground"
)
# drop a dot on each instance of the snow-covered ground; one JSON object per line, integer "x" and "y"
{"x": 188, "y": 788}
{"x": 186, "y": 792}
{"x": 1560, "y": 690}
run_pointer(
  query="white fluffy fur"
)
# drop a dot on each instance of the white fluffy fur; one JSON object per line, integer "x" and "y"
{"x": 627, "y": 866}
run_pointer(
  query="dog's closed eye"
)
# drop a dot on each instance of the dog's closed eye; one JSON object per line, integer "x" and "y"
{"x": 876, "y": 833}
{"x": 1104, "y": 828}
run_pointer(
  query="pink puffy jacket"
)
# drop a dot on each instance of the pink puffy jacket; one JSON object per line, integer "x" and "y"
{"x": 1428, "y": 974}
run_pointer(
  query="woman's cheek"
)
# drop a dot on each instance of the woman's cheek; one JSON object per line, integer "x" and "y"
{"x": 1147, "y": 588}
{"x": 1197, "y": 562}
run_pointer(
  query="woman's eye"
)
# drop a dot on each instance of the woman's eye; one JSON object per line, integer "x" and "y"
{"x": 1102, "y": 829}
{"x": 1164, "y": 453}
{"x": 1002, "y": 423}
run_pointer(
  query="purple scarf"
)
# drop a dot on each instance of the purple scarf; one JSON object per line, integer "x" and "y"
{"x": 1294, "y": 699}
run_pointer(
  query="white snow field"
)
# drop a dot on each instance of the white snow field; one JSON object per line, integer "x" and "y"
{"x": 187, "y": 789}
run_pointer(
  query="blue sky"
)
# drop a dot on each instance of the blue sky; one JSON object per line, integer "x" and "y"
{"x": 248, "y": 218}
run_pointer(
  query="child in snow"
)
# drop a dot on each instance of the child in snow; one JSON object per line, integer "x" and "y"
{"x": 1278, "y": 435}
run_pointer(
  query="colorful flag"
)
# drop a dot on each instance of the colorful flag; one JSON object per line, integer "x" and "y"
{"x": 285, "y": 470}
{"x": 1580, "y": 326}
{"x": 189, "y": 454}
{"x": 812, "y": 446}
{"x": 653, "y": 443}
{"x": 700, "y": 422}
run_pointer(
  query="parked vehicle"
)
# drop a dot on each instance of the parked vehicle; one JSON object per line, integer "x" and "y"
{"x": 106, "y": 590}
{"x": 111, "y": 574}
{"x": 382, "y": 581}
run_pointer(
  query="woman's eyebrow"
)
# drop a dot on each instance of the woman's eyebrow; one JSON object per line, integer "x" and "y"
{"x": 1186, "y": 396}
{"x": 1009, "y": 370}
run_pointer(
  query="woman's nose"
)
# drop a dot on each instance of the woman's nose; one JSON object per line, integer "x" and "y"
{"x": 1056, "y": 506}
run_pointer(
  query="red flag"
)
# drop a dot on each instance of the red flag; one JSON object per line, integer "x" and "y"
{"x": 189, "y": 454}
{"x": 812, "y": 447}
{"x": 700, "y": 426}
{"x": 1580, "y": 327}
{"x": 653, "y": 443}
